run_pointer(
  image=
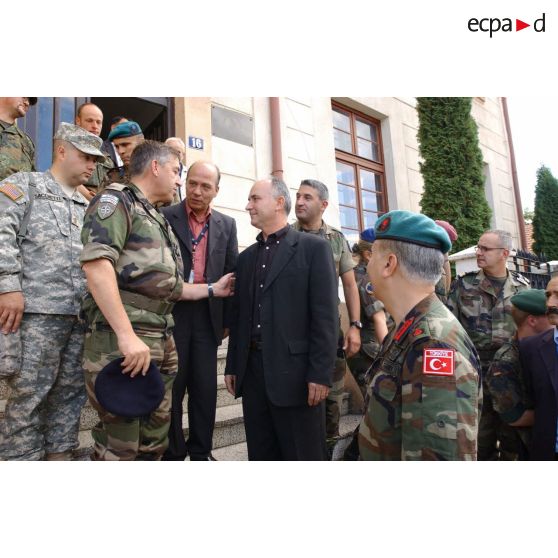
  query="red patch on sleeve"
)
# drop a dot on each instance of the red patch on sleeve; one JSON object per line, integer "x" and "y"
{"x": 417, "y": 332}
{"x": 438, "y": 362}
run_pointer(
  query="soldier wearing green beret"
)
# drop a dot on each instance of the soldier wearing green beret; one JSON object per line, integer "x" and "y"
{"x": 481, "y": 301}
{"x": 17, "y": 152}
{"x": 424, "y": 392}
{"x": 311, "y": 202}
{"x": 133, "y": 266}
{"x": 505, "y": 381}
{"x": 125, "y": 137}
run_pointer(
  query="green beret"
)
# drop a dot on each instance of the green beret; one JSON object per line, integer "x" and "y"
{"x": 414, "y": 228}
{"x": 125, "y": 130}
{"x": 532, "y": 301}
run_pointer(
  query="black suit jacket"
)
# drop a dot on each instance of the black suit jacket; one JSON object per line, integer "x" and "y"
{"x": 221, "y": 257}
{"x": 299, "y": 318}
{"x": 540, "y": 366}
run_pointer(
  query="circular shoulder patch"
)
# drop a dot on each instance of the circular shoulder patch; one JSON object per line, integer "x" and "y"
{"x": 369, "y": 289}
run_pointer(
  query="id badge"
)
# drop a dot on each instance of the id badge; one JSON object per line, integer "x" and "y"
{"x": 191, "y": 278}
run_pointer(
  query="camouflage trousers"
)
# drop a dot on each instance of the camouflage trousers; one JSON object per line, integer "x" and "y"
{"x": 127, "y": 439}
{"x": 335, "y": 396}
{"x": 362, "y": 361}
{"x": 497, "y": 441}
{"x": 44, "y": 405}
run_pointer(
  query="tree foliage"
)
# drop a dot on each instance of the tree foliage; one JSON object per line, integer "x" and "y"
{"x": 545, "y": 221}
{"x": 452, "y": 167}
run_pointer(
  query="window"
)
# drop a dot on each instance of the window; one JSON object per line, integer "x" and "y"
{"x": 360, "y": 170}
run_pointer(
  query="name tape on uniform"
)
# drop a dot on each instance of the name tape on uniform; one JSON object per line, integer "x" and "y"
{"x": 438, "y": 362}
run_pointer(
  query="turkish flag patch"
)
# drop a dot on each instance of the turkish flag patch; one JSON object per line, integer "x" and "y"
{"x": 438, "y": 362}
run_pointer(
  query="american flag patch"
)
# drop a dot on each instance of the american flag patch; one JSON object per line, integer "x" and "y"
{"x": 11, "y": 190}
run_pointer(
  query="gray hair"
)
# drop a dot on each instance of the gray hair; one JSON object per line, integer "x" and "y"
{"x": 504, "y": 237}
{"x": 418, "y": 263}
{"x": 280, "y": 190}
{"x": 320, "y": 187}
{"x": 149, "y": 151}
{"x": 177, "y": 140}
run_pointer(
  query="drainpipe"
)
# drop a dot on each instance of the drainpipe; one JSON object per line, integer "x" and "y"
{"x": 518, "y": 205}
{"x": 276, "y": 153}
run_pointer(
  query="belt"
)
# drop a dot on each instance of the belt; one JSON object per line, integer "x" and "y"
{"x": 256, "y": 345}
{"x": 142, "y": 302}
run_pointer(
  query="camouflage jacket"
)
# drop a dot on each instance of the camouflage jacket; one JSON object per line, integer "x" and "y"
{"x": 17, "y": 152}
{"x": 114, "y": 176}
{"x": 102, "y": 168}
{"x": 424, "y": 393}
{"x": 123, "y": 227}
{"x": 342, "y": 255}
{"x": 505, "y": 383}
{"x": 485, "y": 315}
{"x": 46, "y": 266}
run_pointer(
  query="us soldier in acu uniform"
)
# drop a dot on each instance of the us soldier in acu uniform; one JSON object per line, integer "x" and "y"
{"x": 481, "y": 301}
{"x": 311, "y": 202}
{"x": 41, "y": 215}
{"x": 372, "y": 315}
{"x": 505, "y": 380}
{"x": 134, "y": 271}
{"x": 424, "y": 391}
{"x": 17, "y": 152}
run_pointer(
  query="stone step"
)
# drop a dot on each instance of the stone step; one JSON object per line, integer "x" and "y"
{"x": 229, "y": 430}
{"x": 239, "y": 452}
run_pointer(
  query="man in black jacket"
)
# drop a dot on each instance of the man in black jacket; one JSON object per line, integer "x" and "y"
{"x": 209, "y": 245}
{"x": 283, "y": 332}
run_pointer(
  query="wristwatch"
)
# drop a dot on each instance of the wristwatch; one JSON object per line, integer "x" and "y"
{"x": 357, "y": 324}
{"x": 210, "y": 293}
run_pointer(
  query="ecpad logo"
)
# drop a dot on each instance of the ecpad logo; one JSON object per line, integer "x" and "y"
{"x": 492, "y": 25}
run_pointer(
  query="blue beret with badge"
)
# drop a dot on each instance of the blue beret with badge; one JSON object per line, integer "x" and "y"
{"x": 128, "y": 397}
{"x": 414, "y": 228}
{"x": 532, "y": 301}
{"x": 125, "y": 130}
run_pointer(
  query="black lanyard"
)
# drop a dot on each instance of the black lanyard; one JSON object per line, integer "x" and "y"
{"x": 196, "y": 241}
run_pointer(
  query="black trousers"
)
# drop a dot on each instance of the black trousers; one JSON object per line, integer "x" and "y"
{"x": 197, "y": 373}
{"x": 279, "y": 433}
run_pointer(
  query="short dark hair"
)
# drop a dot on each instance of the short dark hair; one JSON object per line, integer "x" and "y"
{"x": 82, "y": 106}
{"x": 320, "y": 187}
{"x": 116, "y": 119}
{"x": 208, "y": 163}
{"x": 148, "y": 151}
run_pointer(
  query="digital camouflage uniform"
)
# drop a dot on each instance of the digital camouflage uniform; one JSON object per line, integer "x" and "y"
{"x": 424, "y": 391}
{"x": 344, "y": 262}
{"x": 17, "y": 152}
{"x": 505, "y": 384}
{"x": 370, "y": 346}
{"x": 47, "y": 394}
{"x": 123, "y": 227}
{"x": 486, "y": 317}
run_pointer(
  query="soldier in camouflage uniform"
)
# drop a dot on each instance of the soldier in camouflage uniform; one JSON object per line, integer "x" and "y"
{"x": 134, "y": 272}
{"x": 372, "y": 316}
{"x": 481, "y": 301}
{"x": 125, "y": 137}
{"x": 444, "y": 284}
{"x": 90, "y": 117}
{"x": 423, "y": 400}
{"x": 311, "y": 202}
{"x": 40, "y": 276}
{"x": 504, "y": 380}
{"x": 17, "y": 152}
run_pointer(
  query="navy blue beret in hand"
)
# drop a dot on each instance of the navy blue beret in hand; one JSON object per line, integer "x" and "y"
{"x": 124, "y": 396}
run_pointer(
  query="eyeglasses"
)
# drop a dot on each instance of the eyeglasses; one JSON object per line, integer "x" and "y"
{"x": 481, "y": 248}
